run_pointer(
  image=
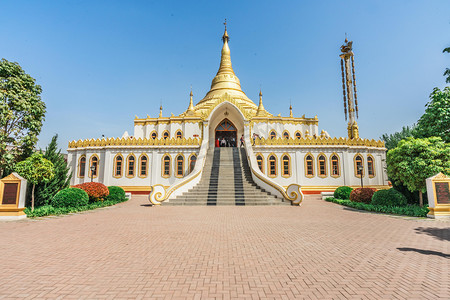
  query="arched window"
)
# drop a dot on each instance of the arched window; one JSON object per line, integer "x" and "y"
{"x": 359, "y": 166}
{"x": 309, "y": 166}
{"x": 154, "y": 135}
{"x": 180, "y": 165}
{"x": 192, "y": 161}
{"x": 260, "y": 161}
{"x": 130, "y": 164}
{"x": 82, "y": 167}
{"x": 118, "y": 161}
{"x": 272, "y": 166}
{"x": 322, "y": 165}
{"x": 298, "y": 135}
{"x": 179, "y": 134}
{"x": 166, "y": 134}
{"x": 370, "y": 166}
{"x": 166, "y": 166}
{"x": 143, "y": 164}
{"x": 94, "y": 163}
{"x": 335, "y": 166}
{"x": 273, "y": 134}
{"x": 286, "y": 135}
{"x": 286, "y": 161}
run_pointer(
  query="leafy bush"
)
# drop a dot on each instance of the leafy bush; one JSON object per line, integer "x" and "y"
{"x": 48, "y": 210}
{"x": 96, "y": 190}
{"x": 343, "y": 192}
{"x": 70, "y": 197}
{"x": 410, "y": 210}
{"x": 390, "y": 197}
{"x": 363, "y": 195}
{"x": 116, "y": 194}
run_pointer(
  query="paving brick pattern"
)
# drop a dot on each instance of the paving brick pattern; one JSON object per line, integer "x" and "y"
{"x": 318, "y": 251}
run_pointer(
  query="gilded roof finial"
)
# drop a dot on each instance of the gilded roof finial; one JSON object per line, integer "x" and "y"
{"x": 261, "y": 109}
{"x": 160, "y": 111}
{"x": 290, "y": 110}
{"x": 191, "y": 104}
{"x": 225, "y": 36}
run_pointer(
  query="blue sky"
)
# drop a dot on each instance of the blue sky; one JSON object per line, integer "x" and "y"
{"x": 100, "y": 63}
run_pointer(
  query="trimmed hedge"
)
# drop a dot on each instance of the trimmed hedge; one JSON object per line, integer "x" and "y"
{"x": 48, "y": 210}
{"x": 96, "y": 191}
{"x": 343, "y": 192}
{"x": 390, "y": 197}
{"x": 363, "y": 195}
{"x": 116, "y": 194}
{"x": 70, "y": 197}
{"x": 410, "y": 210}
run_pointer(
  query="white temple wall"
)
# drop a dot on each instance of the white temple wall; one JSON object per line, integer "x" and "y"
{"x": 264, "y": 129}
{"x": 106, "y": 165}
{"x": 347, "y": 174}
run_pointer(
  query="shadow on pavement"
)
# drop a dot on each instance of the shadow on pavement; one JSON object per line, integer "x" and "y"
{"x": 149, "y": 205}
{"x": 442, "y": 234}
{"x": 426, "y": 252}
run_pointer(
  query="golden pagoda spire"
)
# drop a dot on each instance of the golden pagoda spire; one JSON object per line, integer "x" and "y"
{"x": 160, "y": 111}
{"x": 190, "y": 111}
{"x": 226, "y": 80}
{"x": 261, "y": 109}
{"x": 290, "y": 111}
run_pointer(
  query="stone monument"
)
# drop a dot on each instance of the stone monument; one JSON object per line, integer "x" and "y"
{"x": 438, "y": 190}
{"x": 13, "y": 189}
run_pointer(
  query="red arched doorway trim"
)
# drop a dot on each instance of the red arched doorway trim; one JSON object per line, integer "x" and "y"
{"x": 226, "y": 134}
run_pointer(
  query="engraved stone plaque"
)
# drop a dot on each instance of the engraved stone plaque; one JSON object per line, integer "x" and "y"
{"x": 442, "y": 192}
{"x": 10, "y": 193}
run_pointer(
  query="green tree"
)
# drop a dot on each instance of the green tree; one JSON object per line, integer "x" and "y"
{"x": 45, "y": 191}
{"x": 436, "y": 119}
{"x": 21, "y": 114}
{"x": 35, "y": 169}
{"x": 447, "y": 71}
{"x": 391, "y": 140}
{"x": 414, "y": 160}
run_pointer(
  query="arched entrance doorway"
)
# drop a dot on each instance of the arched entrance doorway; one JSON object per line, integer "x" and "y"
{"x": 226, "y": 133}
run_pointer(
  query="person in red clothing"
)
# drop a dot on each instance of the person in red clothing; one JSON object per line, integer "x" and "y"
{"x": 217, "y": 143}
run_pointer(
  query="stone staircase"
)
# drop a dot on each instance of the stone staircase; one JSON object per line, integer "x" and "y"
{"x": 226, "y": 180}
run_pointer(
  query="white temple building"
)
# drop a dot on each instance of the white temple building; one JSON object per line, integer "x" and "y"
{"x": 286, "y": 157}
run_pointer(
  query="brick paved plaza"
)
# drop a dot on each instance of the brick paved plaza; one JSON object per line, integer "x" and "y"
{"x": 317, "y": 251}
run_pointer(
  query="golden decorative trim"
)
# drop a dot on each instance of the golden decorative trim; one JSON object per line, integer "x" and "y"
{"x": 373, "y": 166}
{"x": 97, "y": 168}
{"x": 140, "y": 166}
{"x": 115, "y": 165}
{"x": 163, "y": 165}
{"x": 293, "y": 196}
{"x": 79, "y": 166}
{"x": 289, "y": 165}
{"x": 268, "y": 165}
{"x": 441, "y": 175}
{"x": 176, "y": 165}
{"x": 134, "y": 142}
{"x": 318, "y": 165}
{"x": 261, "y": 160}
{"x": 319, "y": 141}
{"x": 355, "y": 166}
{"x": 338, "y": 165}
{"x": 306, "y": 165}
{"x": 127, "y": 172}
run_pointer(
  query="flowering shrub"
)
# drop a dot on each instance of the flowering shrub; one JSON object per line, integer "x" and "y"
{"x": 96, "y": 191}
{"x": 363, "y": 195}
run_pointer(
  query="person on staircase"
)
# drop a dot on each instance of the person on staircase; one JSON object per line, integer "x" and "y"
{"x": 217, "y": 143}
{"x": 242, "y": 140}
